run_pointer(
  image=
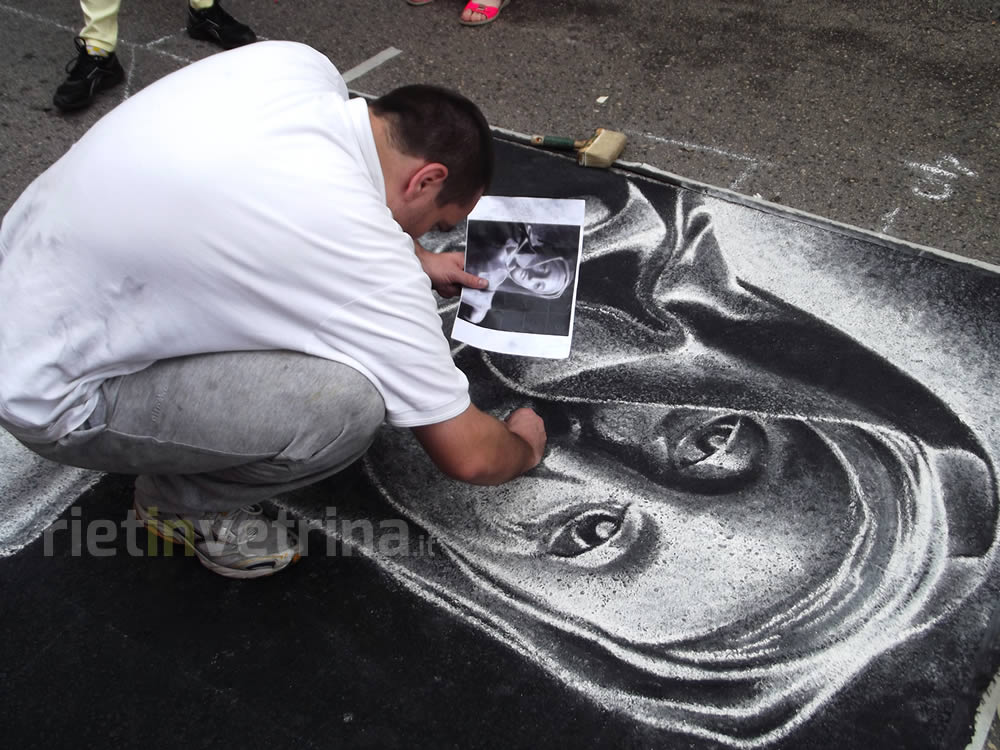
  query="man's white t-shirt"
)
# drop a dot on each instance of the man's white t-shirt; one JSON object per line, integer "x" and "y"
{"x": 235, "y": 205}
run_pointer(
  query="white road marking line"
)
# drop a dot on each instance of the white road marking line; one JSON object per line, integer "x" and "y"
{"x": 370, "y": 64}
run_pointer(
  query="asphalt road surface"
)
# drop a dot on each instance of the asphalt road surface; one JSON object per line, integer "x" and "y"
{"x": 883, "y": 115}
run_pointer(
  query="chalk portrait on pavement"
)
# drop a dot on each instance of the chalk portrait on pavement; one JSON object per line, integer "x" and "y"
{"x": 741, "y": 507}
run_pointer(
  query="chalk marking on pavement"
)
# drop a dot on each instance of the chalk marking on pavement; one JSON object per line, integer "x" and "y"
{"x": 935, "y": 182}
{"x": 744, "y": 175}
{"x": 698, "y": 147}
{"x": 887, "y": 220}
{"x": 122, "y": 43}
{"x": 153, "y": 43}
{"x": 171, "y": 55}
{"x": 938, "y": 168}
{"x": 986, "y": 713}
{"x": 753, "y": 162}
{"x": 370, "y": 64}
{"x": 128, "y": 76}
{"x": 40, "y": 19}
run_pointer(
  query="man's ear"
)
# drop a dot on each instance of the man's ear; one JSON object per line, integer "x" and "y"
{"x": 426, "y": 182}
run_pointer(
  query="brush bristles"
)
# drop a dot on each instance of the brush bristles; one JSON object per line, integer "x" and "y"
{"x": 602, "y": 149}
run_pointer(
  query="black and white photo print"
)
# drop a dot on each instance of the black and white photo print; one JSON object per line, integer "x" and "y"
{"x": 528, "y": 250}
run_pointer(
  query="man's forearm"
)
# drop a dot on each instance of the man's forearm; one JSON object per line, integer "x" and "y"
{"x": 504, "y": 456}
{"x": 478, "y": 448}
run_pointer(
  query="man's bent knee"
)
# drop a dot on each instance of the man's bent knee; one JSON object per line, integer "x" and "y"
{"x": 337, "y": 418}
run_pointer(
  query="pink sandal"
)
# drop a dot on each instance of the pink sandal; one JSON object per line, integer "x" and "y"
{"x": 490, "y": 13}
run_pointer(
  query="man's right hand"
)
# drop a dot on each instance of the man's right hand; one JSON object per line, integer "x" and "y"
{"x": 529, "y": 426}
{"x": 478, "y": 448}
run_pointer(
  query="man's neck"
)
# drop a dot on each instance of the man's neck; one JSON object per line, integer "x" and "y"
{"x": 397, "y": 167}
{"x": 382, "y": 147}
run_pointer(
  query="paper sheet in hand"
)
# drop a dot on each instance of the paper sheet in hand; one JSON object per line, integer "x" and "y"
{"x": 529, "y": 251}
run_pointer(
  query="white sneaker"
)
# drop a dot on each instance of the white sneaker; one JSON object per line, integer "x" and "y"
{"x": 242, "y": 543}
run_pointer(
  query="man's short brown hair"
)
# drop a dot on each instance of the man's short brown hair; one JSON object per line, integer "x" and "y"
{"x": 439, "y": 125}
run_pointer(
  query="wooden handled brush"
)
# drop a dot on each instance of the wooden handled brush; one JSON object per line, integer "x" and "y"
{"x": 600, "y": 150}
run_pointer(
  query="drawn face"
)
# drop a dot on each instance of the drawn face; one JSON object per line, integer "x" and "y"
{"x": 679, "y": 498}
{"x": 658, "y": 524}
{"x": 537, "y": 275}
{"x": 739, "y": 508}
{"x": 669, "y": 547}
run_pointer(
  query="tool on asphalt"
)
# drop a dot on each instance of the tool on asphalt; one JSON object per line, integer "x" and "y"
{"x": 600, "y": 150}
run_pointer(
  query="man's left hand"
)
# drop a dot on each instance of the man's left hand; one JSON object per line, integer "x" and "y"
{"x": 447, "y": 272}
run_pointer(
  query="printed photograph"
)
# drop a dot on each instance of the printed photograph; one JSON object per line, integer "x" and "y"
{"x": 528, "y": 249}
{"x": 530, "y": 269}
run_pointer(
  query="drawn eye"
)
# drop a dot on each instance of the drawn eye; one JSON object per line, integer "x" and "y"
{"x": 724, "y": 451}
{"x": 705, "y": 443}
{"x": 585, "y": 532}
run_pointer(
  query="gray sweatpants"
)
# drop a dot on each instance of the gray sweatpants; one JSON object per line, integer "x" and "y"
{"x": 213, "y": 432}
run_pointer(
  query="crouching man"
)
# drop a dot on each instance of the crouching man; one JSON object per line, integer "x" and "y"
{"x": 231, "y": 312}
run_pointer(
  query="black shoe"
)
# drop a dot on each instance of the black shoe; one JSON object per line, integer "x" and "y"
{"x": 215, "y": 25}
{"x": 88, "y": 74}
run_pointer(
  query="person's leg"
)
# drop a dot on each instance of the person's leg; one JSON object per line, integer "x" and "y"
{"x": 207, "y": 20}
{"x": 100, "y": 19}
{"x": 481, "y": 12}
{"x": 212, "y": 432}
{"x": 96, "y": 66}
